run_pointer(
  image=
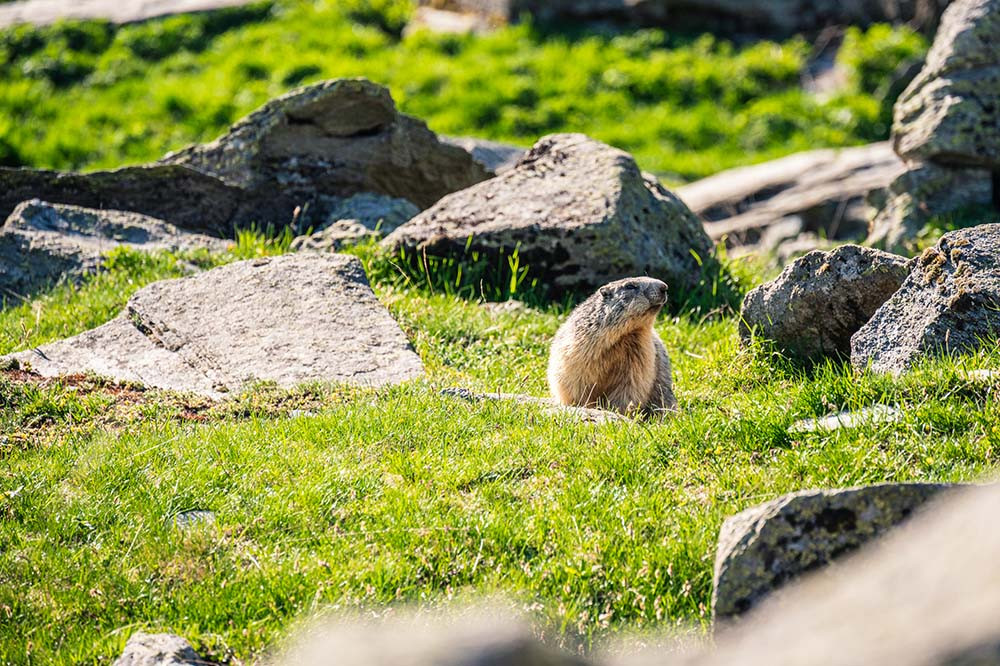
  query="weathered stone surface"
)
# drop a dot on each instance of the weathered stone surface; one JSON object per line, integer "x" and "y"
{"x": 335, "y": 138}
{"x": 495, "y": 157}
{"x": 949, "y": 304}
{"x": 288, "y": 319}
{"x": 44, "y": 12}
{"x": 175, "y": 194}
{"x": 770, "y": 17}
{"x": 873, "y": 415}
{"x": 767, "y": 546}
{"x": 41, "y": 242}
{"x": 580, "y": 213}
{"x": 819, "y": 301}
{"x": 926, "y": 594}
{"x": 158, "y": 650}
{"x": 355, "y": 219}
{"x": 921, "y": 192}
{"x": 824, "y": 189}
{"x": 949, "y": 113}
{"x": 470, "y": 638}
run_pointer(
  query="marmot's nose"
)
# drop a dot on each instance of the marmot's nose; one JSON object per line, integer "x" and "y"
{"x": 661, "y": 291}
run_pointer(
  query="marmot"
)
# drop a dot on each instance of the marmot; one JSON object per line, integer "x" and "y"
{"x": 608, "y": 355}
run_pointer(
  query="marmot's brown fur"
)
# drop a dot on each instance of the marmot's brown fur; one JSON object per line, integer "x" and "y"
{"x": 608, "y": 355}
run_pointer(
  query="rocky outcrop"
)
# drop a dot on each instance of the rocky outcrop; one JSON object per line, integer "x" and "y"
{"x": 767, "y": 546}
{"x": 355, "y": 219}
{"x": 579, "y": 213}
{"x": 175, "y": 194}
{"x": 41, "y": 243}
{"x": 947, "y": 126}
{"x": 288, "y": 319}
{"x": 776, "y": 18}
{"x": 917, "y": 195}
{"x": 820, "y": 300}
{"x": 44, "y": 12}
{"x": 158, "y": 650}
{"x": 949, "y": 304}
{"x": 949, "y": 114}
{"x": 819, "y": 192}
{"x": 335, "y": 138}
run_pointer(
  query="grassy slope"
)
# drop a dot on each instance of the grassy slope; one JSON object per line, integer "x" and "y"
{"x": 404, "y": 494}
{"x": 88, "y": 95}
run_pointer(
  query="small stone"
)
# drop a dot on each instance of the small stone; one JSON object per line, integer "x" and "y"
{"x": 158, "y": 650}
{"x": 355, "y": 219}
{"x": 819, "y": 301}
{"x": 190, "y": 519}
{"x": 868, "y": 416}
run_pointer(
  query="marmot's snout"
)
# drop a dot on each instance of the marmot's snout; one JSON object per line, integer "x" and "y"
{"x": 640, "y": 294}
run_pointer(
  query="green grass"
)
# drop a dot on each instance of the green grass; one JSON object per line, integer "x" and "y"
{"x": 402, "y": 494}
{"x": 89, "y": 95}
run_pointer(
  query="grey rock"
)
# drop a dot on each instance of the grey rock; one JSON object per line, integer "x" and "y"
{"x": 175, "y": 194}
{"x": 920, "y": 193}
{"x": 579, "y": 212}
{"x": 949, "y": 304}
{"x": 191, "y": 519}
{"x": 770, "y": 17}
{"x": 355, "y": 219}
{"x": 763, "y": 548}
{"x": 949, "y": 113}
{"x": 41, "y": 243}
{"x": 819, "y": 301}
{"x": 289, "y": 319}
{"x": 825, "y": 189}
{"x": 472, "y": 638}
{"x": 335, "y": 138}
{"x": 926, "y": 594}
{"x": 158, "y": 650}
{"x": 874, "y": 415}
{"x": 495, "y": 157}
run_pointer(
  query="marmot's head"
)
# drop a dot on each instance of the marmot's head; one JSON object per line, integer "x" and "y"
{"x": 628, "y": 303}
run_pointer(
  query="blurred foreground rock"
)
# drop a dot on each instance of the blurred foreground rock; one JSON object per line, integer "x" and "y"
{"x": 41, "y": 243}
{"x": 158, "y": 650}
{"x": 44, "y": 12}
{"x": 949, "y": 304}
{"x": 822, "y": 192}
{"x": 473, "y": 639}
{"x": 768, "y": 546}
{"x": 820, "y": 300}
{"x": 579, "y": 213}
{"x": 288, "y": 319}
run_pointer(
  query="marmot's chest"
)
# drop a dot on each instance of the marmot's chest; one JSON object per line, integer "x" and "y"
{"x": 628, "y": 368}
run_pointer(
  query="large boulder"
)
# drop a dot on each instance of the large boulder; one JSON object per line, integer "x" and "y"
{"x": 766, "y": 547}
{"x": 820, "y": 300}
{"x": 289, "y": 319}
{"x": 820, "y": 191}
{"x": 949, "y": 113}
{"x": 175, "y": 194}
{"x": 42, "y": 242}
{"x": 949, "y": 304}
{"x": 776, "y": 18}
{"x": 579, "y": 213}
{"x": 44, "y": 12}
{"x": 158, "y": 650}
{"x": 336, "y": 138}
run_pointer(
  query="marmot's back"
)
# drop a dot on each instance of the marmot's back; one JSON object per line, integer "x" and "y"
{"x": 607, "y": 353}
